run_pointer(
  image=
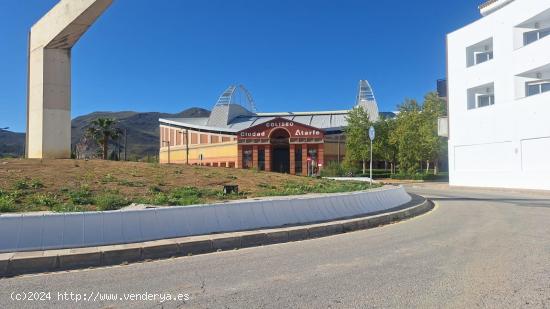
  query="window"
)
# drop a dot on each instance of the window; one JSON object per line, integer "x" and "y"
{"x": 481, "y": 96}
{"x": 261, "y": 159}
{"x": 298, "y": 159}
{"x": 485, "y": 100}
{"x": 533, "y": 36}
{"x": 479, "y": 53}
{"x": 312, "y": 161}
{"x": 481, "y": 57}
{"x": 534, "y": 88}
{"x": 247, "y": 158}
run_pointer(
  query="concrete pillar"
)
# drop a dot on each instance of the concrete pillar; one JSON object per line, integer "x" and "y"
{"x": 255, "y": 156}
{"x": 268, "y": 158}
{"x": 304, "y": 159}
{"x": 239, "y": 162}
{"x": 292, "y": 159}
{"x": 321, "y": 154}
{"x": 49, "y": 75}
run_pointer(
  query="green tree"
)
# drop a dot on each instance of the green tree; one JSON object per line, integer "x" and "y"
{"x": 384, "y": 148}
{"x": 407, "y": 136}
{"x": 103, "y": 130}
{"x": 433, "y": 145}
{"x": 357, "y": 138}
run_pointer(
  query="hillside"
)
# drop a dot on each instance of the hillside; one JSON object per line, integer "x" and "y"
{"x": 12, "y": 144}
{"x": 142, "y": 130}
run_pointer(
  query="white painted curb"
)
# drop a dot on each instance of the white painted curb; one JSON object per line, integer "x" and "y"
{"x": 73, "y": 230}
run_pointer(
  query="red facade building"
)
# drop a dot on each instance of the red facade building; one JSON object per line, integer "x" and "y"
{"x": 282, "y": 145}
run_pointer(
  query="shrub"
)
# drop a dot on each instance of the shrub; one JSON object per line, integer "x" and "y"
{"x": 108, "y": 178}
{"x": 181, "y": 196}
{"x": 25, "y": 184}
{"x": 48, "y": 200}
{"x": 21, "y": 184}
{"x": 36, "y": 184}
{"x": 184, "y": 201}
{"x": 81, "y": 196}
{"x": 420, "y": 176}
{"x": 7, "y": 204}
{"x": 186, "y": 192}
{"x": 377, "y": 174}
{"x": 110, "y": 201}
{"x": 187, "y": 196}
{"x": 128, "y": 183}
{"x": 333, "y": 169}
{"x": 159, "y": 199}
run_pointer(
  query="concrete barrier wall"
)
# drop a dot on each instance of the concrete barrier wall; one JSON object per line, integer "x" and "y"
{"x": 73, "y": 230}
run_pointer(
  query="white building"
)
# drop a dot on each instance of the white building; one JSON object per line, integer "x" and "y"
{"x": 499, "y": 97}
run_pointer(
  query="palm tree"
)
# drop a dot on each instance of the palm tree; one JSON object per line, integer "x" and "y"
{"x": 102, "y": 130}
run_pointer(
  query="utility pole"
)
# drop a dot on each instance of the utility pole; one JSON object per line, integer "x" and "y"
{"x": 125, "y": 143}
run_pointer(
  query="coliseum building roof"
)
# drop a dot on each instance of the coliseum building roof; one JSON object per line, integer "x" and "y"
{"x": 231, "y": 117}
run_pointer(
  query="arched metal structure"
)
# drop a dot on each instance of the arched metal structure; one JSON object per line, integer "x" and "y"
{"x": 235, "y": 101}
{"x": 367, "y": 100}
{"x": 237, "y": 94}
{"x": 365, "y": 92}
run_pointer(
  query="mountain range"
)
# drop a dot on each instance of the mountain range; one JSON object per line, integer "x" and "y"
{"x": 142, "y": 131}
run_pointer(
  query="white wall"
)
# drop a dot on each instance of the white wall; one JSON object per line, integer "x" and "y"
{"x": 73, "y": 230}
{"x": 506, "y": 144}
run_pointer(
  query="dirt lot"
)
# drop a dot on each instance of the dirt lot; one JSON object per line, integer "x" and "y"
{"x": 70, "y": 185}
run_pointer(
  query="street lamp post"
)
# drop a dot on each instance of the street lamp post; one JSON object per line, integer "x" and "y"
{"x": 372, "y": 135}
{"x": 371, "y": 162}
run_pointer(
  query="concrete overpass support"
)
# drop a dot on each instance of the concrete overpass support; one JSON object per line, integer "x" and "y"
{"x": 49, "y": 75}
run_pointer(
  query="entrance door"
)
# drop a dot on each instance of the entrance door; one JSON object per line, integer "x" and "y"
{"x": 280, "y": 159}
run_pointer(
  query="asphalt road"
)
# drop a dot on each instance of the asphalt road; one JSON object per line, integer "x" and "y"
{"x": 478, "y": 248}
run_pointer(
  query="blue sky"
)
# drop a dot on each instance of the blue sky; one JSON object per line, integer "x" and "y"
{"x": 293, "y": 55}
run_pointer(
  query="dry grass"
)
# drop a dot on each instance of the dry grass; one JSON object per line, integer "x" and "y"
{"x": 70, "y": 185}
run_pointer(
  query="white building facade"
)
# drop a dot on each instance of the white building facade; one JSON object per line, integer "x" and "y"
{"x": 499, "y": 97}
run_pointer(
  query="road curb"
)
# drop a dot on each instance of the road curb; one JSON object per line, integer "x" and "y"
{"x": 14, "y": 264}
